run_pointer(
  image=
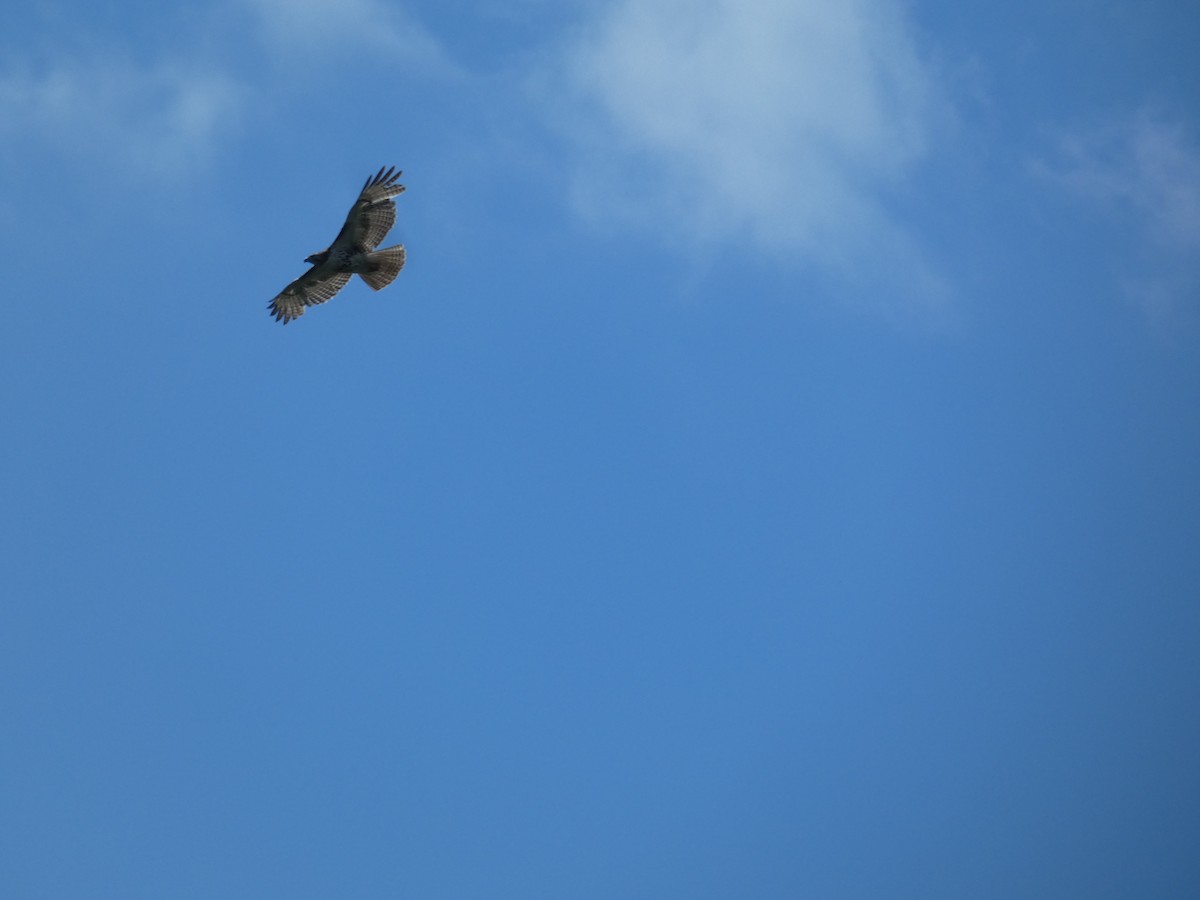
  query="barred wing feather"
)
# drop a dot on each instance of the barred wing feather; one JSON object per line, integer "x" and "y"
{"x": 290, "y": 302}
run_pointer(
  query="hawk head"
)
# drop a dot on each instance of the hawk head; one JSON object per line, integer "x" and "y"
{"x": 317, "y": 258}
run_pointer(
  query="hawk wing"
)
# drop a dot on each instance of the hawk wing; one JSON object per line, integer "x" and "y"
{"x": 290, "y": 302}
{"x": 373, "y": 213}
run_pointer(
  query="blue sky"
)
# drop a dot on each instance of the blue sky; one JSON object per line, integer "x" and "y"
{"x": 775, "y": 473}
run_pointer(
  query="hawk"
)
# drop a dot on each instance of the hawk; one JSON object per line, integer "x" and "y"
{"x": 351, "y": 253}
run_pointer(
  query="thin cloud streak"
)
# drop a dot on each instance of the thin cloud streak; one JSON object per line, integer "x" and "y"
{"x": 1143, "y": 170}
{"x": 1143, "y": 167}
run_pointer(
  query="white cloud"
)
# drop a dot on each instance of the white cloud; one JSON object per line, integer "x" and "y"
{"x": 783, "y": 123}
{"x": 327, "y": 29}
{"x": 1146, "y": 171}
{"x": 156, "y": 120}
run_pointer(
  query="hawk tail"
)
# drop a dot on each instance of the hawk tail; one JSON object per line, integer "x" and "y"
{"x": 385, "y": 266}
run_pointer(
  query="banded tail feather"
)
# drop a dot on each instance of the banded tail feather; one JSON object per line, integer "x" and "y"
{"x": 386, "y": 264}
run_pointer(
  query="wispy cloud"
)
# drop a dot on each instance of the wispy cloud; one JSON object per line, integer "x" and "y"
{"x": 175, "y": 112}
{"x": 155, "y": 120}
{"x": 326, "y": 30}
{"x": 783, "y": 124}
{"x": 1144, "y": 167}
{"x": 1146, "y": 170}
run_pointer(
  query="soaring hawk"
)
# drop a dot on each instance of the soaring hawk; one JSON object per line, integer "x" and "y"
{"x": 352, "y": 251}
